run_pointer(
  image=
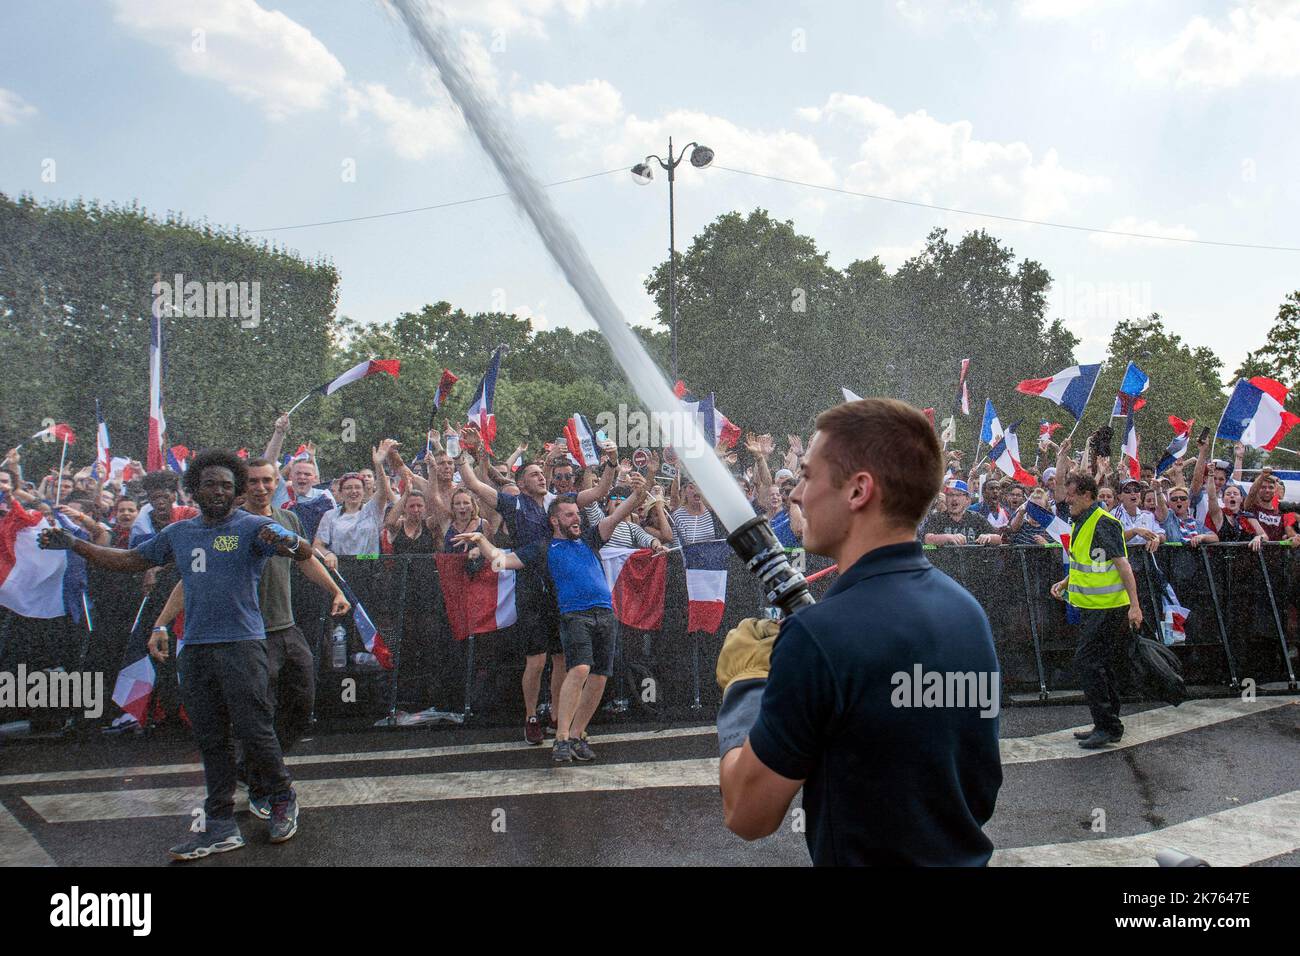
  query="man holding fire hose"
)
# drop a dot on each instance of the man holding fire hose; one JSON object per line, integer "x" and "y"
{"x": 876, "y": 700}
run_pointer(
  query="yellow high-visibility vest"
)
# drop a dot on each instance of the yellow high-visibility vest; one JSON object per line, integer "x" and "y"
{"x": 1094, "y": 585}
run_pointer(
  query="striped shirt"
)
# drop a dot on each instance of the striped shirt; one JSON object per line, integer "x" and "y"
{"x": 626, "y": 534}
{"x": 691, "y": 528}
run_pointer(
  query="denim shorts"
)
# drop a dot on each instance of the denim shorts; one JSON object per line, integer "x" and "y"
{"x": 588, "y": 638}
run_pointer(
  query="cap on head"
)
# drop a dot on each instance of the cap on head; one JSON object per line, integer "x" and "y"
{"x": 960, "y": 486}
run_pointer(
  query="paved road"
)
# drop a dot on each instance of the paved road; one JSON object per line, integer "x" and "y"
{"x": 1217, "y": 778}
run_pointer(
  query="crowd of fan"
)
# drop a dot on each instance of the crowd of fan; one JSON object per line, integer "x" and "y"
{"x": 401, "y": 507}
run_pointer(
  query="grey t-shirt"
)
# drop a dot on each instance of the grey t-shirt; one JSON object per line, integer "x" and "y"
{"x": 273, "y": 587}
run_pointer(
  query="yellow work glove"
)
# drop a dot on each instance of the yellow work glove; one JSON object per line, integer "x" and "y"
{"x": 747, "y": 651}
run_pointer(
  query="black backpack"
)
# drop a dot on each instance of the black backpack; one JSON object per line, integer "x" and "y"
{"x": 1157, "y": 670}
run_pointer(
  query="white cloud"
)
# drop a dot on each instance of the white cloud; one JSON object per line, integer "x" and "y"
{"x": 921, "y": 158}
{"x": 414, "y": 132}
{"x": 1146, "y": 227}
{"x": 260, "y": 55}
{"x": 921, "y": 13}
{"x": 13, "y": 108}
{"x": 894, "y": 256}
{"x": 573, "y": 110}
{"x": 1259, "y": 40}
{"x": 1056, "y": 9}
{"x": 524, "y": 16}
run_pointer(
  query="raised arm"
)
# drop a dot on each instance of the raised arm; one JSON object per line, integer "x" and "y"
{"x": 383, "y": 489}
{"x": 486, "y": 493}
{"x": 498, "y": 559}
{"x": 276, "y": 442}
{"x": 608, "y": 467}
{"x": 1198, "y": 475}
{"x": 635, "y": 481}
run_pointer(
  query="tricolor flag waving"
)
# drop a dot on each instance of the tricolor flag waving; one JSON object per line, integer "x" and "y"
{"x": 1131, "y": 447}
{"x": 1045, "y": 432}
{"x": 1005, "y": 453}
{"x": 1256, "y": 414}
{"x": 371, "y": 639}
{"x": 1178, "y": 447}
{"x": 477, "y": 604}
{"x": 962, "y": 402}
{"x": 706, "y": 584}
{"x": 359, "y": 371}
{"x": 637, "y": 580}
{"x": 103, "y": 455}
{"x": 31, "y": 579}
{"x": 154, "y": 457}
{"x": 581, "y": 440}
{"x": 1131, "y": 390}
{"x": 717, "y": 428}
{"x": 442, "y": 394}
{"x": 58, "y": 432}
{"x": 480, "y": 411}
{"x": 1070, "y": 388}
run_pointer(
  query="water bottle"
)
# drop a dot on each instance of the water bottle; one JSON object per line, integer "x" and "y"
{"x": 339, "y": 648}
{"x": 453, "y": 446}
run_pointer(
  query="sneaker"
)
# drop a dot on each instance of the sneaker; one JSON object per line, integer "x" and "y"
{"x": 581, "y": 750}
{"x": 533, "y": 731}
{"x": 284, "y": 818}
{"x": 260, "y": 807}
{"x": 562, "y": 752}
{"x": 550, "y": 727}
{"x": 220, "y": 836}
{"x": 1084, "y": 734}
{"x": 1100, "y": 738}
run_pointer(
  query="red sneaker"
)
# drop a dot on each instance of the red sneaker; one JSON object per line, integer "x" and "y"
{"x": 533, "y": 731}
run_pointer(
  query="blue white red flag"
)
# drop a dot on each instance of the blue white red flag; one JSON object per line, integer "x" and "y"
{"x": 1131, "y": 447}
{"x": 1005, "y": 453}
{"x": 1131, "y": 391}
{"x": 1256, "y": 414}
{"x": 706, "y": 584}
{"x": 1069, "y": 388}
{"x": 637, "y": 580}
{"x": 990, "y": 426}
{"x": 481, "y": 409}
{"x": 366, "y": 630}
{"x": 478, "y": 603}
{"x": 155, "y": 459}
{"x": 1178, "y": 447}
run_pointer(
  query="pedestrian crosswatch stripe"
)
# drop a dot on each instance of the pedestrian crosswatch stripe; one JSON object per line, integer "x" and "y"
{"x": 1235, "y": 837}
{"x": 405, "y": 788}
{"x": 1144, "y": 727}
{"x": 17, "y": 846}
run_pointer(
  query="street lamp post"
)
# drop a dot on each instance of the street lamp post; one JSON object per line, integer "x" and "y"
{"x": 643, "y": 173}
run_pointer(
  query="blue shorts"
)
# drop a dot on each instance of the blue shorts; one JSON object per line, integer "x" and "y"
{"x": 588, "y": 638}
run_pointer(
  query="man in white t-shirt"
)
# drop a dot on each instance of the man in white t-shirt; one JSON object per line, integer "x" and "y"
{"x": 1140, "y": 526}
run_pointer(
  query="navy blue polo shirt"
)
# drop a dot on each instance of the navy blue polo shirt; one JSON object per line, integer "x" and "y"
{"x": 885, "y": 784}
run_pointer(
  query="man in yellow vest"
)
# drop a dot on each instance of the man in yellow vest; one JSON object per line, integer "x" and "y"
{"x": 1100, "y": 584}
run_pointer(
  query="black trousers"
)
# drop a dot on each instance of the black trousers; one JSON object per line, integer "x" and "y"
{"x": 291, "y": 686}
{"x": 224, "y": 689}
{"x": 1101, "y": 661}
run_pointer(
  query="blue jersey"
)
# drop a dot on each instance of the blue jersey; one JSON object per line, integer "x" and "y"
{"x": 576, "y": 573}
{"x": 219, "y": 566}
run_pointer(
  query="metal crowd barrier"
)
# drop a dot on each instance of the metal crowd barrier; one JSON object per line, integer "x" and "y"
{"x": 1244, "y": 624}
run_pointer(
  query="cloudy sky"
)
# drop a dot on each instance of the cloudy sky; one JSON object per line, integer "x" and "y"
{"x": 1164, "y": 117}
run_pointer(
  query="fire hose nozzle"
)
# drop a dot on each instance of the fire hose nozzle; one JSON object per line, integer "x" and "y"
{"x": 764, "y": 556}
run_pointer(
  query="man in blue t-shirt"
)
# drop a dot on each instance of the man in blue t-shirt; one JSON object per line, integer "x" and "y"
{"x": 570, "y": 559}
{"x": 223, "y": 669}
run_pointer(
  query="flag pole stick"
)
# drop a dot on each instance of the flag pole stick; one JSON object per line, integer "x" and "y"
{"x": 300, "y": 401}
{"x": 58, "y": 484}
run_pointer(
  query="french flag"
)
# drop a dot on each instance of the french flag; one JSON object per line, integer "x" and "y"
{"x": 154, "y": 458}
{"x": 362, "y": 370}
{"x": 481, "y": 409}
{"x": 637, "y": 580}
{"x": 442, "y": 394}
{"x": 1131, "y": 447}
{"x": 103, "y": 455}
{"x": 1069, "y": 388}
{"x": 1051, "y": 523}
{"x": 134, "y": 687}
{"x": 1005, "y": 453}
{"x": 1178, "y": 447}
{"x": 178, "y": 458}
{"x": 1131, "y": 389}
{"x": 479, "y": 604}
{"x": 1256, "y": 414}
{"x": 963, "y": 398}
{"x": 31, "y": 579}
{"x": 717, "y": 428}
{"x": 990, "y": 426}
{"x": 580, "y": 438}
{"x": 366, "y": 630}
{"x": 1175, "y": 616}
{"x": 706, "y": 584}
{"x": 1045, "y": 431}
{"x": 59, "y": 433}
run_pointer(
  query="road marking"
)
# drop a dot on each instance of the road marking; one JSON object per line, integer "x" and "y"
{"x": 406, "y": 788}
{"x": 17, "y": 846}
{"x": 1235, "y": 837}
{"x": 303, "y": 760}
{"x": 1139, "y": 728}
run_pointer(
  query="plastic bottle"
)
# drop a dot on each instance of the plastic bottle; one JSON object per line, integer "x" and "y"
{"x": 339, "y": 648}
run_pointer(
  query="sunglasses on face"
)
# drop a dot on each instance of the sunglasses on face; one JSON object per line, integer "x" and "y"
{"x": 613, "y": 499}
{"x": 1178, "y": 500}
